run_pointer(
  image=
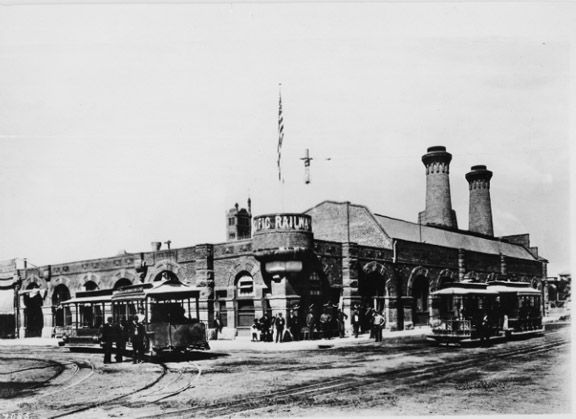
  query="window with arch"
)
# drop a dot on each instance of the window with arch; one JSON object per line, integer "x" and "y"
{"x": 245, "y": 285}
{"x": 122, "y": 282}
{"x": 90, "y": 286}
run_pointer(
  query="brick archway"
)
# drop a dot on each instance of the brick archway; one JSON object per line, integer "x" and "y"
{"x": 161, "y": 266}
{"x": 376, "y": 283}
{"x": 252, "y": 268}
{"x": 419, "y": 271}
{"x": 91, "y": 277}
{"x": 445, "y": 275}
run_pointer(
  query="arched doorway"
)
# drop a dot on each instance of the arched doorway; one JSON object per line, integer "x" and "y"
{"x": 372, "y": 291}
{"x": 420, "y": 292}
{"x": 122, "y": 282}
{"x": 244, "y": 290}
{"x": 33, "y": 319}
{"x": 60, "y": 316}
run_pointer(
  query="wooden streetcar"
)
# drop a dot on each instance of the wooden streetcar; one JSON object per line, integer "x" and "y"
{"x": 468, "y": 312}
{"x": 169, "y": 311}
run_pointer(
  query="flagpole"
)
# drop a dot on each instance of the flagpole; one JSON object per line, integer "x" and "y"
{"x": 280, "y": 141}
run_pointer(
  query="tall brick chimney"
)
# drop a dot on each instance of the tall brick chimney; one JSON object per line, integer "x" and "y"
{"x": 480, "y": 213}
{"x": 438, "y": 210}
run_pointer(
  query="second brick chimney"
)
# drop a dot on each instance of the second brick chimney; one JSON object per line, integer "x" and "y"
{"x": 480, "y": 212}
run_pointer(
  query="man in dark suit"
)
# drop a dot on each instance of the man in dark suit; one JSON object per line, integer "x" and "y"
{"x": 122, "y": 336}
{"x": 341, "y": 318}
{"x": 279, "y": 324}
{"x": 293, "y": 325}
{"x": 107, "y": 338}
{"x": 138, "y": 341}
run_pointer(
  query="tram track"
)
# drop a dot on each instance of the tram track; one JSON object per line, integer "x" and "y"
{"x": 147, "y": 395}
{"x": 83, "y": 370}
{"x": 417, "y": 373}
{"x": 103, "y": 403}
{"x": 50, "y": 364}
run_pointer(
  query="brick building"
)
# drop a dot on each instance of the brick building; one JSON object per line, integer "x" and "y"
{"x": 336, "y": 251}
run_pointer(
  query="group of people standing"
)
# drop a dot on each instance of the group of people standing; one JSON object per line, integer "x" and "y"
{"x": 117, "y": 335}
{"x": 368, "y": 319}
{"x": 275, "y": 328}
{"x": 330, "y": 322}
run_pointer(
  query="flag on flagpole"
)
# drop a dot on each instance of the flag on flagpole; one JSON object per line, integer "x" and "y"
{"x": 280, "y": 134}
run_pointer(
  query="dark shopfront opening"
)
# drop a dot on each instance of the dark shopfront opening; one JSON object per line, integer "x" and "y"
{"x": 246, "y": 313}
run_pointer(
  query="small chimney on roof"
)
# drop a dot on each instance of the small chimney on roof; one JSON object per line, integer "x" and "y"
{"x": 156, "y": 246}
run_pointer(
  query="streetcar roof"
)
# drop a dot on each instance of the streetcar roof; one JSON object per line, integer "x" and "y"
{"x": 91, "y": 299}
{"x": 464, "y": 291}
{"x": 166, "y": 289}
{"x": 502, "y": 289}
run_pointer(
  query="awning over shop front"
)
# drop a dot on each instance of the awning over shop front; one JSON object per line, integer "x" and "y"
{"x": 7, "y": 301}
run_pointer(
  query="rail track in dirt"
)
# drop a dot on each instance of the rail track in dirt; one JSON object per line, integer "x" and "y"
{"x": 293, "y": 394}
{"x": 168, "y": 383}
{"x": 69, "y": 374}
{"x": 45, "y": 364}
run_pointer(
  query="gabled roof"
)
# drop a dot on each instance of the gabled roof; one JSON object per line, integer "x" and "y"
{"x": 344, "y": 221}
{"x": 408, "y": 231}
{"x": 329, "y": 222}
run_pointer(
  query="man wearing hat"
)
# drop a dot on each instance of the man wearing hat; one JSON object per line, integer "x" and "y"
{"x": 107, "y": 338}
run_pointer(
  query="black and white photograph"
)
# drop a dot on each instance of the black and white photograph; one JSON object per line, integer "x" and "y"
{"x": 279, "y": 209}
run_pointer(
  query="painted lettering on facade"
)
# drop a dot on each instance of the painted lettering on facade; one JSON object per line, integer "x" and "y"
{"x": 296, "y": 222}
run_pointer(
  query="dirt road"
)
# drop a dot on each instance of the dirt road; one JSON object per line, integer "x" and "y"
{"x": 359, "y": 378}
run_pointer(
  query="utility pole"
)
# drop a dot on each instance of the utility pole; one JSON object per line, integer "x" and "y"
{"x": 307, "y": 160}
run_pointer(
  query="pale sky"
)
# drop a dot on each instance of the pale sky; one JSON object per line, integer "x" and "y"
{"x": 126, "y": 124}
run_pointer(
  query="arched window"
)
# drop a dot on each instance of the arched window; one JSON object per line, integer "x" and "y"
{"x": 245, "y": 302}
{"x": 90, "y": 286}
{"x": 122, "y": 282}
{"x": 245, "y": 285}
{"x": 166, "y": 276}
